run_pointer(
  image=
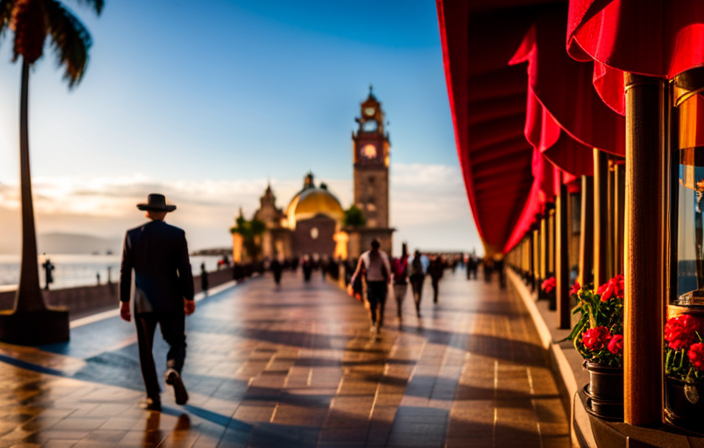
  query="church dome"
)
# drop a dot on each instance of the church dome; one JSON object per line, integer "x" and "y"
{"x": 313, "y": 201}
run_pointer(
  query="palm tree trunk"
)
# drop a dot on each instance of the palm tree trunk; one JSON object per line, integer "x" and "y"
{"x": 29, "y": 295}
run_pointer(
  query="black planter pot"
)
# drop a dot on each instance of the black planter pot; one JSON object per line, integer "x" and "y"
{"x": 684, "y": 404}
{"x": 605, "y": 391}
{"x": 605, "y": 383}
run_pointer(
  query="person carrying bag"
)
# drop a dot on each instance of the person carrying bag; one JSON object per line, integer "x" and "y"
{"x": 377, "y": 271}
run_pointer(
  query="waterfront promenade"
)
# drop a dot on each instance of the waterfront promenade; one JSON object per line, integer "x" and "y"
{"x": 296, "y": 366}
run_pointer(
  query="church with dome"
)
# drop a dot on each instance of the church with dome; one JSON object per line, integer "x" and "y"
{"x": 313, "y": 222}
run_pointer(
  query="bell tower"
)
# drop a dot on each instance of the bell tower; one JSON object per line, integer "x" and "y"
{"x": 371, "y": 164}
{"x": 371, "y": 151}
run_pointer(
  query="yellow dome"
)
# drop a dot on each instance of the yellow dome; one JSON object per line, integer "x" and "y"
{"x": 311, "y": 202}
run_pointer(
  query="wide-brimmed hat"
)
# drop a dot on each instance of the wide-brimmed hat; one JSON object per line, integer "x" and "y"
{"x": 156, "y": 203}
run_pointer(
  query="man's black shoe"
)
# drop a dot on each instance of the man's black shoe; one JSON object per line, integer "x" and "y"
{"x": 173, "y": 378}
{"x": 152, "y": 404}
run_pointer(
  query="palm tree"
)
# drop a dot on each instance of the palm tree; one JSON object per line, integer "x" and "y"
{"x": 251, "y": 232}
{"x": 31, "y": 22}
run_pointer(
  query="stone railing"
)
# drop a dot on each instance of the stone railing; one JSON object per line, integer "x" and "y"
{"x": 83, "y": 300}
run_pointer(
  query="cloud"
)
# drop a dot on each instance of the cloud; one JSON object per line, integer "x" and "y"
{"x": 428, "y": 203}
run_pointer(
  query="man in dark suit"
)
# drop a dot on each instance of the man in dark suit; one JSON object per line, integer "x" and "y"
{"x": 163, "y": 294}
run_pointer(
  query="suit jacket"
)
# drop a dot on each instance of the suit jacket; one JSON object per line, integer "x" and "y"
{"x": 158, "y": 254}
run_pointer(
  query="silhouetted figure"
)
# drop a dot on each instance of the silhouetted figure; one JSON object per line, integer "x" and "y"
{"x": 276, "y": 268}
{"x": 436, "y": 270}
{"x": 97, "y": 278}
{"x": 419, "y": 267}
{"x": 499, "y": 268}
{"x": 472, "y": 267}
{"x": 237, "y": 271}
{"x": 374, "y": 265}
{"x": 225, "y": 261}
{"x": 307, "y": 266}
{"x": 48, "y": 272}
{"x": 349, "y": 270}
{"x": 400, "y": 269}
{"x": 333, "y": 268}
{"x": 163, "y": 294}
{"x": 488, "y": 269}
{"x": 203, "y": 279}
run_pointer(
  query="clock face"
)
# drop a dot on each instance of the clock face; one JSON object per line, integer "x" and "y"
{"x": 369, "y": 111}
{"x": 368, "y": 151}
{"x": 370, "y": 126}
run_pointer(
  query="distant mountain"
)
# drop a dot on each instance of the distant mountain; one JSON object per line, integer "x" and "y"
{"x": 73, "y": 243}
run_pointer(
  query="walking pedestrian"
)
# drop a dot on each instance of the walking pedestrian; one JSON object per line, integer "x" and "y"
{"x": 400, "y": 270}
{"x": 436, "y": 270}
{"x": 472, "y": 265}
{"x": 307, "y": 266}
{"x": 419, "y": 267}
{"x": 276, "y": 269}
{"x": 488, "y": 269}
{"x": 163, "y": 294}
{"x": 499, "y": 268}
{"x": 377, "y": 272}
{"x": 203, "y": 279}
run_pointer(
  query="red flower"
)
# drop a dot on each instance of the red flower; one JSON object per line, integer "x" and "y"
{"x": 696, "y": 355}
{"x": 595, "y": 338}
{"x": 575, "y": 288}
{"x": 549, "y": 284}
{"x": 680, "y": 331}
{"x": 611, "y": 289}
{"x": 616, "y": 344}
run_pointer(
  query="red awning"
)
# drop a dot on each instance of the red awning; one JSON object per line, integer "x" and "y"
{"x": 546, "y": 179}
{"x": 488, "y": 103}
{"x": 660, "y": 38}
{"x": 563, "y": 90}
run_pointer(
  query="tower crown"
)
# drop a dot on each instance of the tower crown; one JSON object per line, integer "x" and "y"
{"x": 371, "y": 163}
{"x": 371, "y": 118}
{"x": 371, "y": 144}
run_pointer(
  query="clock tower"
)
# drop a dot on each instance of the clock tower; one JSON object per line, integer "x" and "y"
{"x": 370, "y": 144}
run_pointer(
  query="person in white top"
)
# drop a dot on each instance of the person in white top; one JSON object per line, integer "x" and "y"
{"x": 377, "y": 272}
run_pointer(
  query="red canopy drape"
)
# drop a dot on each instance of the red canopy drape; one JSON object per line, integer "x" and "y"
{"x": 660, "y": 38}
{"x": 488, "y": 103}
{"x": 565, "y": 117}
{"x": 501, "y": 113}
{"x": 563, "y": 87}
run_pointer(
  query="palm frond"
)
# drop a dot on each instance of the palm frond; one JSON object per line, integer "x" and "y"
{"x": 70, "y": 40}
{"x": 96, "y": 5}
{"x": 29, "y": 24}
{"x": 6, "y": 7}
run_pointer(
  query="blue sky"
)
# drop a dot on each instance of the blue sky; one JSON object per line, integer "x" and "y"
{"x": 208, "y": 102}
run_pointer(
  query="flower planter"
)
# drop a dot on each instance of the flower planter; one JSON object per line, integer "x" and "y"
{"x": 605, "y": 391}
{"x": 684, "y": 404}
{"x": 598, "y": 336}
{"x": 605, "y": 383}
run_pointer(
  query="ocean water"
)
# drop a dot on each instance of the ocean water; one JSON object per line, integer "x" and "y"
{"x": 80, "y": 270}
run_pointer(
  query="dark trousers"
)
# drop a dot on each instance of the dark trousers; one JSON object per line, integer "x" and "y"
{"x": 417, "y": 287}
{"x": 436, "y": 284}
{"x": 173, "y": 330}
{"x": 376, "y": 296}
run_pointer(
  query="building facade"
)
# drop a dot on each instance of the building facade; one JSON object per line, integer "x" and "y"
{"x": 313, "y": 222}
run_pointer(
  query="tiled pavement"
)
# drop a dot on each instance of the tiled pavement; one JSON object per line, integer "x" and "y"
{"x": 296, "y": 366}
